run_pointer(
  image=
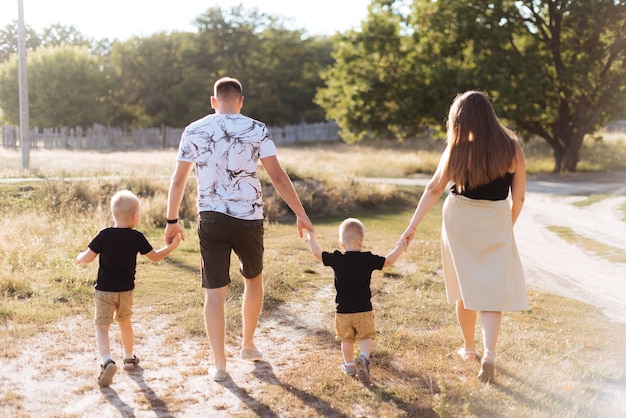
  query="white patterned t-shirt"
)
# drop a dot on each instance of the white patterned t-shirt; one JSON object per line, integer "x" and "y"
{"x": 226, "y": 150}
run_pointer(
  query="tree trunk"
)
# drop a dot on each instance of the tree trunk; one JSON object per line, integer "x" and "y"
{"x": 569, "y": 161}
{"x": 566, "y": 153}
{"x": 557, "y": 152}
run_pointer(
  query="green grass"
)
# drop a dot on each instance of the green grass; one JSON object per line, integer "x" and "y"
{"x": 595, "y": 198}
{"x": 610, "y": 253}
{"x": 590, "y": 200}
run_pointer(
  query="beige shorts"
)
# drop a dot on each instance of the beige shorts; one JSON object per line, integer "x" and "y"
{"x": 354, "y": 326}
{"x": 112, "y": 305}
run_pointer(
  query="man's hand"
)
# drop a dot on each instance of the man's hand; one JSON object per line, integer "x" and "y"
{"x": 171, "y": 231}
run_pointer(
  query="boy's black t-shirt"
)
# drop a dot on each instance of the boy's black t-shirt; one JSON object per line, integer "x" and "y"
{"x": 353, "y": 274}
{"x": 118, "y": 248}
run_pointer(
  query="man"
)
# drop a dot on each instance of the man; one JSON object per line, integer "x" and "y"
{"x": 225, "y": 147}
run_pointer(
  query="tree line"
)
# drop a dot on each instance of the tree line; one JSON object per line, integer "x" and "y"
{"x": 165, "y": 78}
{"x": 555, "y": 69}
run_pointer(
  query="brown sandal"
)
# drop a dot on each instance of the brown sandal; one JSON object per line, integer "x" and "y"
{"x": 106, "y": 373}
{"x": 131, "y": 363}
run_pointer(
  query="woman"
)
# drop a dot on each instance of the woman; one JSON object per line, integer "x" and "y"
{"x": 483, "y": 160}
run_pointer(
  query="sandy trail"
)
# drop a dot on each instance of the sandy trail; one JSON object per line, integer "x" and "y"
{"x": 54, "y": 375}
{"x": 551, "y": 264}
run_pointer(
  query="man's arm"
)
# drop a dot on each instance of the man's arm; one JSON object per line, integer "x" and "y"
{"x": 175, "y": 197}
{"x": 283, "y": 185}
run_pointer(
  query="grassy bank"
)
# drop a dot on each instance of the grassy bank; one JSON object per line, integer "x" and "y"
{"x": 560, "y": 358}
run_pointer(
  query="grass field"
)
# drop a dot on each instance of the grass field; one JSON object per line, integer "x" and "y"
{"x": 560, "y": 358}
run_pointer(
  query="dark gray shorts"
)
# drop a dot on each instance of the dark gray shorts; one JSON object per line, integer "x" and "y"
{"x": 220, "y": 234}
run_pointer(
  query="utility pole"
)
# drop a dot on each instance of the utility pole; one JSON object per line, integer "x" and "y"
{"x": 23, "y": 81}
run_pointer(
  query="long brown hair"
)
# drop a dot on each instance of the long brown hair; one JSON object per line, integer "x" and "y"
{"x": 481, "y": 148}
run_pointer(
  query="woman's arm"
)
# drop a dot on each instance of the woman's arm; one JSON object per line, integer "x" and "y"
{"x": 435, "y": 188}
{"x": 518, "y": 185}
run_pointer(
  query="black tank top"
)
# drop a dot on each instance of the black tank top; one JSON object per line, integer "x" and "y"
{"x": 497, "y": 189}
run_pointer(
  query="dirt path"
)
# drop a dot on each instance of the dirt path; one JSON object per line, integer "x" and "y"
{"x": 52, "y": 379}
{"x": 174, "y": 382}
{"x": 554, "y": 265}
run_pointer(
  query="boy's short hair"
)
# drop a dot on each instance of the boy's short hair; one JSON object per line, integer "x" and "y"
{"x": 124, "y": 204}
{"x": 227, "y": 87}
{"x": 351, "y": 230}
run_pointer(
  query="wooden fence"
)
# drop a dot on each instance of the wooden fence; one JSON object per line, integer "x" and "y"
{"x": 617, "y": 126}
{"x": 102, "y": 137}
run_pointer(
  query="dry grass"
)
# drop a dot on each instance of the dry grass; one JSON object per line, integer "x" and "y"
{"x": 605, "y": 151}
{"x": 560, "y": 358}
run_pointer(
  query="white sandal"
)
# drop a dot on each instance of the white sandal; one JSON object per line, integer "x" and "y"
{"x": 487, "y": 367}
{"x": 467, "y": 355}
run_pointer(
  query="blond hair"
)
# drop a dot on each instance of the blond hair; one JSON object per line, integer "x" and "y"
{"x": 481, "y": 149}
{"x": 124, "y": 204}
{"x": 351, "y": 231}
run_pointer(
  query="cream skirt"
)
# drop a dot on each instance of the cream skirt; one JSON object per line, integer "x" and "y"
{"x": 481, "y": 264}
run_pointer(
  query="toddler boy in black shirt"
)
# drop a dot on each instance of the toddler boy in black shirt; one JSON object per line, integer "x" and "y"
{"x": 354, "y": 319}
{"x": 118, "y": 247}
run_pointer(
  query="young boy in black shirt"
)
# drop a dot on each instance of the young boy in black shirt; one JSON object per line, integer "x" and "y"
{"x": 118, "y": 247}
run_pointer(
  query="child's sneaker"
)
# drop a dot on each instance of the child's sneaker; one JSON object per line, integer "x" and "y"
{"x": 348, "y": 369}
{"x": 131, "y": 363}
{"x": 106, "y": 374}
{"x": 362, "y": 368}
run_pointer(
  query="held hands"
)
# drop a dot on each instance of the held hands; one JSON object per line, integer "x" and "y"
{"x": 408, "y": 235}
{"x": 176, "y": 240}
{"x": 172, "y": 231}
{"x": 303, "y": 223}
{"x": 309, "y": 236}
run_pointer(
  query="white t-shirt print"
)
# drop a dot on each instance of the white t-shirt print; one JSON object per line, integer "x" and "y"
{"x": 226, "y": 150}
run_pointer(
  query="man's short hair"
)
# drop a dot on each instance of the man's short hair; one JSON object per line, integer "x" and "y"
{"x": 227, "y": 87}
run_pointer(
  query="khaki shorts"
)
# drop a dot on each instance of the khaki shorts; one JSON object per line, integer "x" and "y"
{"x": 221, "y": 234}
{"x": 112, "y": 305}
{"x": 354, "y": 326}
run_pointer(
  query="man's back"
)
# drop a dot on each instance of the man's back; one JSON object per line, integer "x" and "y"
{"x": 225, "y": 149}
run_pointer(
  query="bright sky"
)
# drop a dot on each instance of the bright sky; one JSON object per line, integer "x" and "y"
{"x": 124, "y": 18}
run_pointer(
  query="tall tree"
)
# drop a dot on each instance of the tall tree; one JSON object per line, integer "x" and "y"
{"x": 278, "y": 67}
{"x": 367, "y": 89}
{"x": 8, "y": 41}
{"x": 58, "y": 34}
{"x": 147, "y": 73}
{"x": 287, "y": 76}
{"x": 67, "y": 87}
{"x": 556, "y": 69}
